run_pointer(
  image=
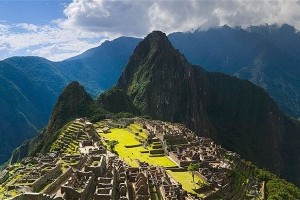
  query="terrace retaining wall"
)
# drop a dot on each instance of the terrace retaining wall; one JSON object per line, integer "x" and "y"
{"x": 52, "y": 187}
{"x": 49, "y": 175}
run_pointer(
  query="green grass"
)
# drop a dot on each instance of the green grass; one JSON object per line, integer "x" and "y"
{"x": 131, "y": 155}
{"x": 186, "y": 180}
{"x": 136, "y": 128}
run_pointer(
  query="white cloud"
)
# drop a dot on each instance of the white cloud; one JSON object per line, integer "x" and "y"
{"x": 88, "y": 22}
{"x": 139, "y": 17}
{"x": 114, "y": 17}
{"x": 50, "y": 42}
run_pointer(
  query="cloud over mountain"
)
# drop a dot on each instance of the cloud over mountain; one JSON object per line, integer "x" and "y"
{"x": 86, "y": 23}
{"x": 139, "y": 17}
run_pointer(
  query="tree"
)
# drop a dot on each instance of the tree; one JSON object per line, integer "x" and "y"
{"x": 112, "y": 145}
{"x": 193, "y": 167}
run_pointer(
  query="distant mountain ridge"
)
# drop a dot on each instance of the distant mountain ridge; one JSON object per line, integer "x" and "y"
{"x": 99, "y": 68}
{"x": 29, "y": 87}
{"x": 266, "y": 55}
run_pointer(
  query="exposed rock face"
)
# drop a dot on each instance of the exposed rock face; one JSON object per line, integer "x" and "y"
{"x": 236, "y": 113}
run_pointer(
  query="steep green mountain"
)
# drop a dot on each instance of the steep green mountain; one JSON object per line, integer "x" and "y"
{"x": 235, "y": 113}
{"x": 265, "y": 55}
{"x": 117, "y": 101}
{"x": 29, "y": 87}
{"x": 73, "y": 102}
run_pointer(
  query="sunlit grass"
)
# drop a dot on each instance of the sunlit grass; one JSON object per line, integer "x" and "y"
{"x": 136, "y": 128}
{"x": 186, "y": 180}
{"x": 132, "y": 155}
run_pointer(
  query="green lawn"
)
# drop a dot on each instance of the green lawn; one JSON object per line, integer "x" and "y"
{"x": 131, "y": 155}
{"x": 186, "y": 180}
{"x": 136, "y": 128}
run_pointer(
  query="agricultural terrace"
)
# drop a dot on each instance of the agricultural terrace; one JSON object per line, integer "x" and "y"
{"x": 131, "y": 149}
{"x": 14, "y": 176}
{"x": 68, "y": 143}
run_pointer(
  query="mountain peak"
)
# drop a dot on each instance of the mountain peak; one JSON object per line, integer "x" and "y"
{"x": 157, "y": 35}
{"x": 70, "y": 104}
{"x": 156, "y": 77}
{"x": 154, "y": 55}
{"x": 155, "y": 41}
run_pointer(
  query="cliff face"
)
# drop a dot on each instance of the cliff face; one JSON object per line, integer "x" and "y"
{"x": 236, "y": 113}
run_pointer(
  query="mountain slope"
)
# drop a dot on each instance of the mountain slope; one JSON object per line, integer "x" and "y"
{"x": 29, "y": 87}
{"x": 73, "y": 102}
{"x": 265, "y": 55}
{"x": 236, "y": 113}
{"x": 99, "y": 68}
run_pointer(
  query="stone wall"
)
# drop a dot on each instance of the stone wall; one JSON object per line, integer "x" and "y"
{"x": 218, "y": 193}
{"x": 49, "y": 175}
{"x": 201, "y": 176}
{"x": 81, "y": 163}
{"x": 51, "y": 188}
{"x": 35, "y": 196}
{"x": 86, "y": 193}
{"x": 4, "y": 176}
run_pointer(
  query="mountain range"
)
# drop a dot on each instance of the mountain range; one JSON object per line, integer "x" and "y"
{"x": 160, "y": 83}
{"x": 265, "y": 55}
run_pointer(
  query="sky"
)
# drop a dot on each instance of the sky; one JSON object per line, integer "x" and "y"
{"x": 59, "y": 29}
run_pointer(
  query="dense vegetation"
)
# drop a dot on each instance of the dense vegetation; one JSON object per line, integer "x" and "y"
{"x": 30, "y": 87}
{"x": 116, "y": 101}
{"x": 276, "y": 188}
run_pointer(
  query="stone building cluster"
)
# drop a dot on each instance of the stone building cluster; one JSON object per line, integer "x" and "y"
{"x": 184, "y": 148}
{"x": 93, "y": 172}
